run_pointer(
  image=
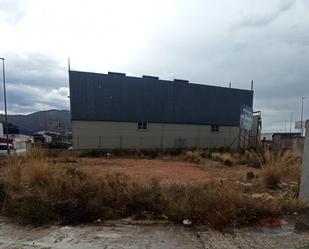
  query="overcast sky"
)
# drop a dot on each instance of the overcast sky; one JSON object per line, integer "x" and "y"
{"x": 204, "y": 41}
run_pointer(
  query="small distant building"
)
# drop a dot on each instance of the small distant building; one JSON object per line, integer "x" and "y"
{"x": 267, "y": 136}
{"x": 288, "y": 141}
{"x": 117, "y": 111}
{"x": 20, "y": 142}
{"x": 42, "y": 137}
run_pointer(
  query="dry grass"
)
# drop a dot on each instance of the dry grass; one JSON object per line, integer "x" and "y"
{"x": 227, "y": 158}
{"x": 192, "y": 156}
{"x": 40, "y": 192}
{"x": 35, "y": 153}
{"x": 13, "y": 175}
{"x": 250, "y": 158}
{"x": 215, "y": 204}
{"x": 196, "y": 156}
{"x": 278, "y": 167}
{"x": 221, "y": 156}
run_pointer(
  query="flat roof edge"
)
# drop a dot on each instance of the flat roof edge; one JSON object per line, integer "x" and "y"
{"x": 109, "y": 74}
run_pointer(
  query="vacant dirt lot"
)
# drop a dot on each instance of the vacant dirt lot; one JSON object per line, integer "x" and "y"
{"x": 40, "y": 189}
{"x": 167, "y": 171}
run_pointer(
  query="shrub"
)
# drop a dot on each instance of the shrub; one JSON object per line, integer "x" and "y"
{"x": 250, "y": 175}
{"x": 68, "y": 160}
{"x": 146, "y": 199}
{"x": 13, "y": 175}
{"x": 92, "y": 153}
{"x": 221, "y": 149}
{"x": 206, "y": 154}
{"x": 220, "y": 156}
{"x": 119, "y": 152}
{"x": 216, "y": 204}
{"x": 66, "y": 157}
{"x": 150, "y": 153}
{"x": 174, "y": 151}
{"x": 192, "y": 156}
{"x": 39, "y": 174}
{"x": 279, "y": 166}
{"x": 272, "y": 180}
{"x": 36, "y": 153}
{"x": 2, "y": 192}
{"x": 34, "y": 211}
{"x": 228, "y": 162}
{"x": 251, "y": 158}
{"x": 186, "y": 202}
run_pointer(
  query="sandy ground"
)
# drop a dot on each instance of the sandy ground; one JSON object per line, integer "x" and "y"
{"x": 166, "y": 171}
{"x": 127, "y": 235}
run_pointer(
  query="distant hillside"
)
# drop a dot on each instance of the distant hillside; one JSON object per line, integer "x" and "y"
{"x": 51, "y": 120}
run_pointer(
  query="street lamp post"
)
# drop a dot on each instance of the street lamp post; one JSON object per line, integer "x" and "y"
{"x": 5, "y": 109}
{"x": 291, "y": 120}
{"x": 302, "y": 114}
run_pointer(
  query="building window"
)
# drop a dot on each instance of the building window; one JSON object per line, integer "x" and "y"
{"x": 215, "y": 128}
{"x": 142, "y": 126}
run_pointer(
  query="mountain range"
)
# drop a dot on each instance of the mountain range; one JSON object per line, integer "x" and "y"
{"x": 50, "y": 120}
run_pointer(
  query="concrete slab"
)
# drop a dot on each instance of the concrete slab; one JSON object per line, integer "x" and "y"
{"x": 98, "y": 236}
{"x": 151, "y": 236}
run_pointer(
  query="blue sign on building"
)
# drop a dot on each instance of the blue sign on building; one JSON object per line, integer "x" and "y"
{"x": 246, "y": 117}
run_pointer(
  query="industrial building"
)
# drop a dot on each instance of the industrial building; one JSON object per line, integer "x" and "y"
{"x": 113, "y": 110}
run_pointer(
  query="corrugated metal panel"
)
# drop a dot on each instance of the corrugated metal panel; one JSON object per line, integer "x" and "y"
{"x": 115, "y": 97}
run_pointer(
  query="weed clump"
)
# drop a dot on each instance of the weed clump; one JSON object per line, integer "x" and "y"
{"x": 34, "y": 211}
{"x": 192, "y": 156}
{"x": 250, "y": 175}
{"x": 280, "y": 166}
{"x": 2, "y": 192}
{"x": 227, "y": 158}
{"x": 92, "y": 153}
{"x": 228, "y": 162}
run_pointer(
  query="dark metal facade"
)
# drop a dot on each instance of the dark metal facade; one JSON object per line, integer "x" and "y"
{"x": 116, "y": 97}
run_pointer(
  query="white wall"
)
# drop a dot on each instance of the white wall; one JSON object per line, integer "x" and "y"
{"x": 109, "y": 135}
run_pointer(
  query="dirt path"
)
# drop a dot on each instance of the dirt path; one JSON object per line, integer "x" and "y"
{"x": 133, "y": 236}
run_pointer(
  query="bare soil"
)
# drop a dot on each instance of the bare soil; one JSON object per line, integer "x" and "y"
{"x": 166, "y": 171}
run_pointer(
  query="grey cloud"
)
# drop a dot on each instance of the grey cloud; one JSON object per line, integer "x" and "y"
{"x": 26, "y": 99}
{"x": 35, "y": 70}
{"x": 35, "y": 82}
{"x": 300, "y": 37}
{"x": 262, "y": 19}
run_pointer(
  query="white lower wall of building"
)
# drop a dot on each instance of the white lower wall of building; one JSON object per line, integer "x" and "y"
{"x": 126, "y": 135}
